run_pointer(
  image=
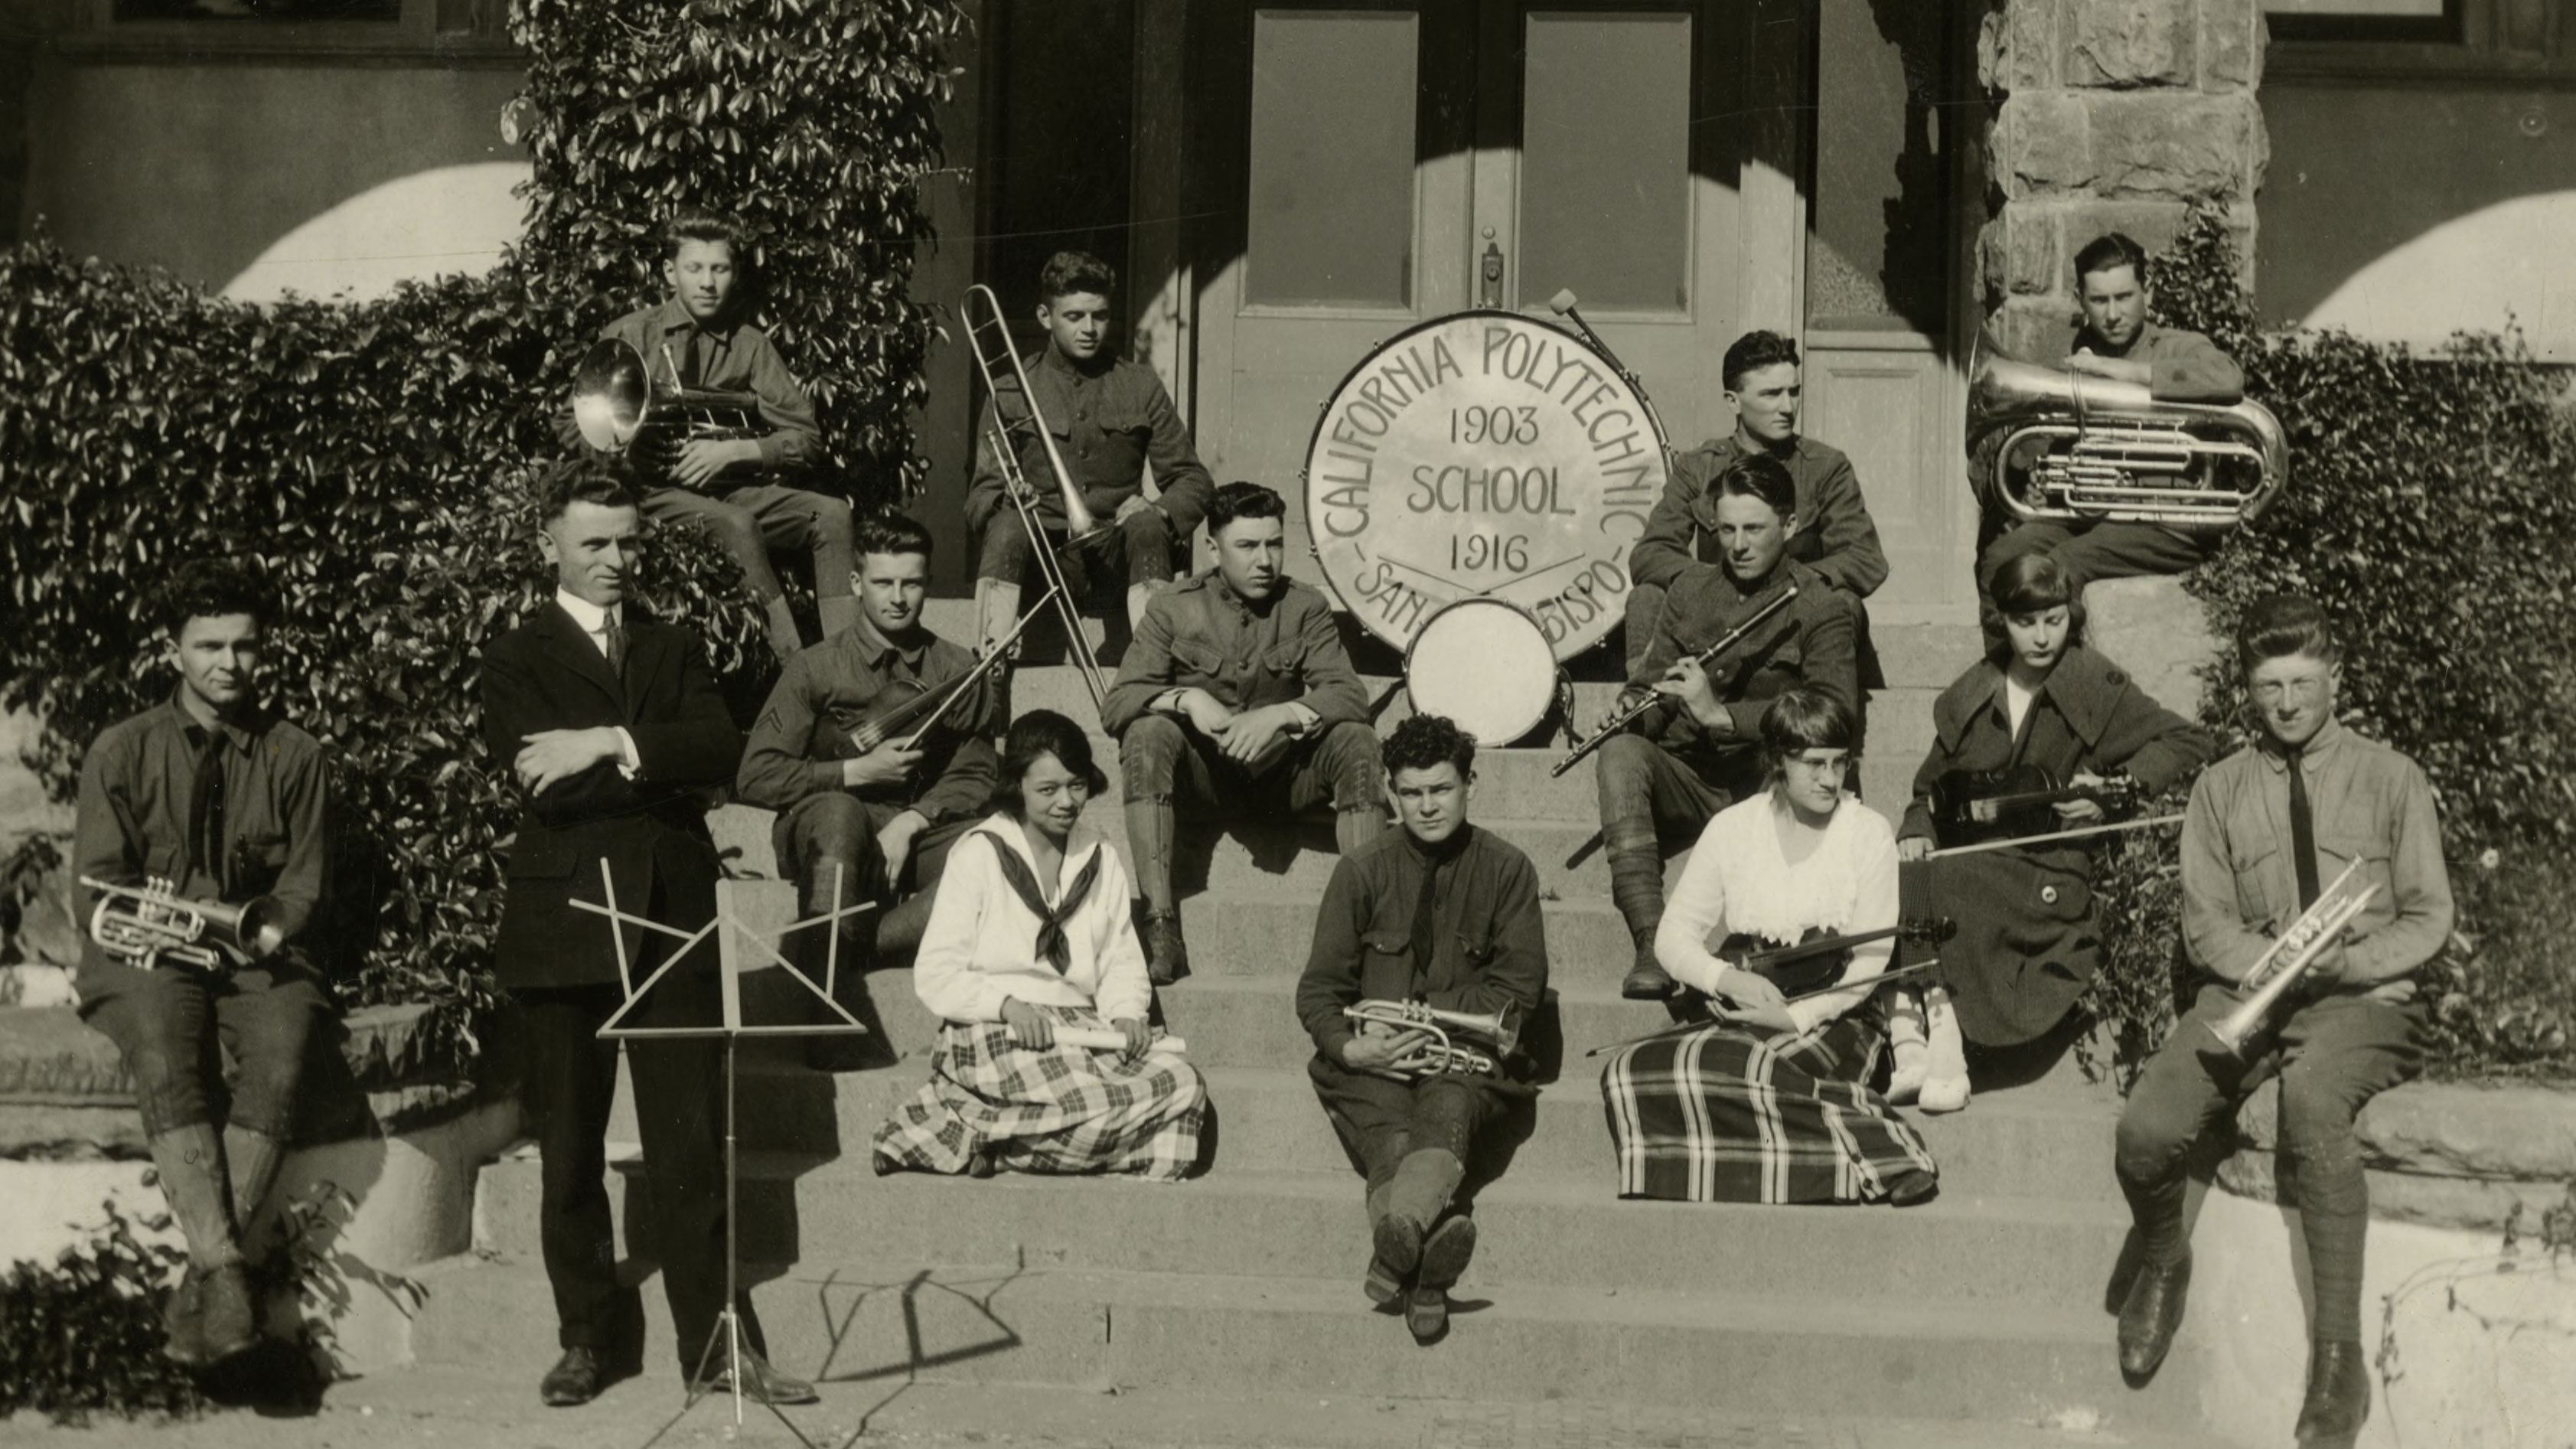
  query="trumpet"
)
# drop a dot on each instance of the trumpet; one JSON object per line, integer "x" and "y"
{"x": 614, "y": 407}
{"x": 2282, "y": 966}
{"x": 986, "y": 335}
{"x": 1629, "y": 714}
{"x": 1487, "y": 1040}
{"x": 2090, "y": 449}
{"x": 151, "y": 924}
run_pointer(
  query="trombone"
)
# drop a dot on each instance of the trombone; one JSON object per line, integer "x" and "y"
{"x": 986, "y": 335}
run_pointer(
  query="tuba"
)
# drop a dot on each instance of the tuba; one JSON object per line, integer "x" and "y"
{"x": 1460, "y": 1042}
{"x": 614, "y": 404}
{"x": 2070, "y": 448}
{"x": 151, "y": 924}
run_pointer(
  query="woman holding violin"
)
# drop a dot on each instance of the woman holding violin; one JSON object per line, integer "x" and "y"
{"x": 2043, "y": 735}
{"x": 1770, "y": 1102}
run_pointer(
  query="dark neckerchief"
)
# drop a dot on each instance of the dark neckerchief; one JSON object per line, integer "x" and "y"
{"x": 1052, "y": 945}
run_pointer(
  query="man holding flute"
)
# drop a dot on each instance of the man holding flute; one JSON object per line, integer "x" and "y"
{"x": 1446, "y": 916}
{"x": 2305, "y": 800}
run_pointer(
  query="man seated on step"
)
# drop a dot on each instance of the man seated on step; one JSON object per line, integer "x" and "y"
{"x": 699, "y": 340}
{"x": 861, "y": 817}
{"x": 1699, "y": 750}
{"x": 1836, "y": 537}
{"x": 227, "y": 804}
{"x": 2266, "y": 826}
{"x": 1236, "y": 698}
{"x": 2117, "y": 342}
{"x": 1111, "y": 418}
{"x": 1440, "y": 916}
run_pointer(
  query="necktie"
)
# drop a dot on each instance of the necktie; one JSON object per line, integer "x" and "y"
{"x": 206, "y": 810}
{"x": 616, "y": 645}
{"x": 1426, "y": 920}
{"x": 2303, "y": 831}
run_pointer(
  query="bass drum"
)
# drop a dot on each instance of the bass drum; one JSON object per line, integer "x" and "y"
{"x": 1486, "y": 666}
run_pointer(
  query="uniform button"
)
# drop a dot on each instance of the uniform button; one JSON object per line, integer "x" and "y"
{"x": 2048, "y": 895}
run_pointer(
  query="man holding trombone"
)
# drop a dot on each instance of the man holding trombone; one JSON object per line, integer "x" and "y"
{"x": 1429, "y": 954}
{"x": 2312, "y": 983}
{"x": 1110, "y": 418}
{"x": 200, "y": 848}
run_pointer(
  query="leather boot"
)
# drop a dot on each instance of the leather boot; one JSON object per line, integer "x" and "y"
{"x": 1167, "y": 956}
{"x": 251, "y": 1161}
{"x": 1354, "y": 829}
{"x": 1383, "y": 1283}
{"x": 784, "y": 637}
{"x": 1945, "y": 1081}
{"x": 1424, "y": 1182}
{"x": 1647, "y": 980}
{"x": 997, "y": 612}
{"x": 2338, "y": 1401}
{"x": 2150, "y": 1314}
{"x": 1907, "y": 1046}
{"x": 836, "y": 612}
{"x": 899, "y": 927}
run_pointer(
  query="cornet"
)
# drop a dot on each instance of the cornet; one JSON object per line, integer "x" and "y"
{"x": 2089, "y": 449}
{"x": 2272, "y": 977}
{"x": 148, "y": 925}
{"x": 1487, "y": 1039}
{"x": 987, "y": 334}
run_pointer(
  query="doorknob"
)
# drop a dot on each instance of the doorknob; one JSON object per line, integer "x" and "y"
{"x": 1489, "y": 287}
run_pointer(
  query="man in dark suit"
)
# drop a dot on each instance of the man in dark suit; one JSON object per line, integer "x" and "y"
{"x": 610, "y": 722}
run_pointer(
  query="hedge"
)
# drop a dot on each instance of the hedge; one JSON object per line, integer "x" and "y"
{"x": 2429, "y": 510}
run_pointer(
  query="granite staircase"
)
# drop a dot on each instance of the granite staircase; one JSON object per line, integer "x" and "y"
{"x": 1985, "y": 1306}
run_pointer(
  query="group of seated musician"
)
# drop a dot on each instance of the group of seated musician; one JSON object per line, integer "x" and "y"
{"x": 899, "y": 783}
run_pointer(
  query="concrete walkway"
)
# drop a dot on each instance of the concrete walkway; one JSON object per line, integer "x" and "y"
{"x": 459, "y": 1407}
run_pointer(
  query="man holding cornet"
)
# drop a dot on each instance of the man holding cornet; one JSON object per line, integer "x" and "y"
{"x": 2305, "y": 800}
{"x": 1428, "y": 956}
{"x": 230, "y": 807}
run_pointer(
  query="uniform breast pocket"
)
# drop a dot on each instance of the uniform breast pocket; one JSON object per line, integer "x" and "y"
{"x": 1386, "y": 967}
{"x": 2255, "y": 865}
{"x": 258, "y": 860}
{"x": 1197, "y": 656}
{"x": 1286, "y": 662}
{"x": 1477, "y": 953}
{"x": 2336, "y": 852}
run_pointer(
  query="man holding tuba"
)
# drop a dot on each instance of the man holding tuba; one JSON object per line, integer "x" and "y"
{"x": 227, "y": 804}
{"x": 1438, "y": 915}
{"x": 2266, "y": 824}
{"x": 2116, "y": 342}
{"x": 1111, "y": 419}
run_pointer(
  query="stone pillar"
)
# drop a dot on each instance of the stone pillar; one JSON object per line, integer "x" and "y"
{"x": 2110, "y": 115}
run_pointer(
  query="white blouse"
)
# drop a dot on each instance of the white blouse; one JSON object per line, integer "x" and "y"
{"x": 1738, "y": 879}
{"x": 980, "y": 947}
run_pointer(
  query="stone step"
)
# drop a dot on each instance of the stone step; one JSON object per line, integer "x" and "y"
{"x": 1563, "y": 1232}
{"x": 2008, "y": 1365}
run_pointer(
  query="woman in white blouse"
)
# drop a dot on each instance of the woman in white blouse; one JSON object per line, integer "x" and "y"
{"x": 1770, "y": 1102}
{"x": 1044, "y": 1061}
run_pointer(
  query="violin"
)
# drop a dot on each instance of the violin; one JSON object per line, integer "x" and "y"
{"x": 1969, "y": 806}
{"x": 846, "y": 732}
{"x": 1817, "y": 962}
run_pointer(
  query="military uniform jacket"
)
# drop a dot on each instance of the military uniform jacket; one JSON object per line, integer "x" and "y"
{"x": 1809, "y": 642}
{"x": 650, "y": 829}
{"x": 1198, "y": 635}
{"x": 1836, "y": 536}
{"x": 2183, "y": 366}
{"x": 803, "y": 734}
{"x": 1108, "y": 422}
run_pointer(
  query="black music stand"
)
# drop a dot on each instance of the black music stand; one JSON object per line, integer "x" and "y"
{"x": 728, "y": 1329}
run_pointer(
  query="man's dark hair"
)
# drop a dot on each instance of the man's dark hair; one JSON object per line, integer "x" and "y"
{"x": 2277, "y": 625}
{"x": 211, "y": 588}
{"x": 2029, "y": 583}
{"x": 1243, "y": 500}
{"x": 1043, "y": 732}
{"x": 1804, "y": 717}
{"x": 603, "y": 481}
{"x": 1426, "y": 742}
{"x": 2108, "y": 252}
{"x": 889, "y": 533}
{"x": 703, "y": 224}
{"x": 1066, "y": 273}
{"x": 1754, "y": 350}
{"x": 1758, "y": 475}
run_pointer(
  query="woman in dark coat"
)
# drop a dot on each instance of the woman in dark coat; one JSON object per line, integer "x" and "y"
{"x": 2026, "y": 943}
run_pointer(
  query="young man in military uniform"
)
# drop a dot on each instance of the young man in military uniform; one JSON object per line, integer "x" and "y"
{"x": 1236, "y": 696}
{"x": 1111, "y": 418}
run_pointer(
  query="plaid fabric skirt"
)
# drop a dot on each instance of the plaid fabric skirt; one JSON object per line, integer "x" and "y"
{"x": 1065, "y": 1109}
{"x": 1728, "y": 1115}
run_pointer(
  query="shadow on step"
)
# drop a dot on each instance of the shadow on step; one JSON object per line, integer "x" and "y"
{"x": 901, "y": 1330}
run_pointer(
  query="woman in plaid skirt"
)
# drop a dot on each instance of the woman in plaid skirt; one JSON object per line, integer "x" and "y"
{"x": 1770, "y": 1103}
{"x": 1044, "y": 1062}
